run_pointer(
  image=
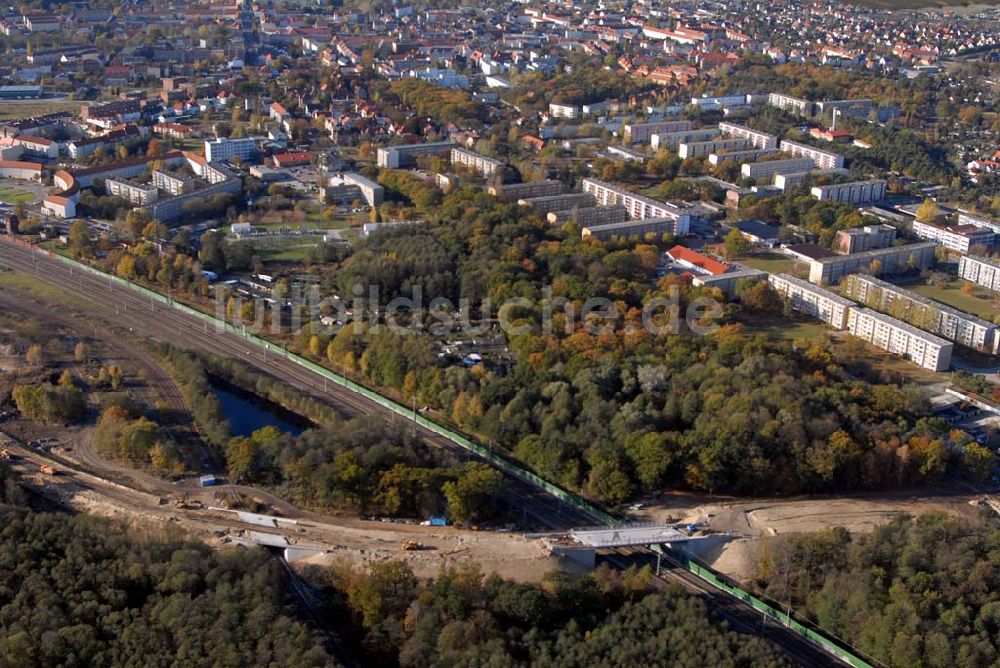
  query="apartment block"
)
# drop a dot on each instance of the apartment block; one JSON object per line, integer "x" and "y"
{"x": 700, "y": 149}
{"x": 919, "y": 311}
{"x": 638, "y": 206}
{"x": 175, "y": 184}
{"x": 785, "y": 181}
{"x": 822, "y": 159}
{"x": 347, "y": 187}
{"x": 472, "y": 160}
{"x": 895, "y": 336}
{"x": 635, "y": 228}
{"x": 740, "y": 156}
{"x": 586, "y": 217}
{"x": 133, "y": 193}
{"x": 511, "y": 192}
{"x": 894, "y": 260}
{"x": 790, "y": 104}
{"x": 768, "y": 168}
{"x": 727, "y": 282}
{"x": 852, "y": 192}
{"x": 861, "y": 239}
{"x": 396, "y": 157}
{"x": 981, "y": 271}
{"x": 958, "y": 238}
{"x": 671, "y": 140}
{"x": 636, "y": 133}
{"x": 968, "y": 219}
{"x": 756, "y": 139}
{"x": 812, "y": 300}
{"x": 221, "y": 149}
{"x": 545, "y": 205}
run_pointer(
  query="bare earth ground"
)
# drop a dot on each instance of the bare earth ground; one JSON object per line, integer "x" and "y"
{"x": 751, "y": 521}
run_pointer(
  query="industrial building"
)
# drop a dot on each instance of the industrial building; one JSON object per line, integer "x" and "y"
{"x": 395, "y": 157}
{"x": 981, "y": 271}
{"x": 638, "y": 206}
{"x": 768, "y": 168}
{"x": 853, "y": 192}
{"x": 894, "y": 260}
{"x": 822, "y": 159}
{"x": 919, "y": 311}
{"x": 895, "y": 336}
{"x": 756, "y": 139}
{"x": 820, "y": 303}
{"x": 958, "y": 238}
{"x": 472, "y": 160}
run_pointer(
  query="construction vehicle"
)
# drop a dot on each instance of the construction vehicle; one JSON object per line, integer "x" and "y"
{"x": 186, "y": 504}
{"x": 409, "y": 544}
{"x": 46, "y": 469}
{"x": 6, "y": 454}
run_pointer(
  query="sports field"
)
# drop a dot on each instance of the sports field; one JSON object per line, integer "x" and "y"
{"x": 15, "y": 195}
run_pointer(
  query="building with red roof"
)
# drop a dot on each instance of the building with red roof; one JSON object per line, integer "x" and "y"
{"x": 695, "y": 261}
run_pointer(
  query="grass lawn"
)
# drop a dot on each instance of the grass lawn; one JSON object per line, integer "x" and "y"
{"x": 17, "y": 110}
{"x": 980, "y": 301}
{"x": 775, "y": 263}
{"x": 15, "y": 195}
{"x": 782, "y": 328}
{"x": 291, "y": 253}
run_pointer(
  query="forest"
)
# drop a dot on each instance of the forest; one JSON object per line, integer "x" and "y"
{"x": 461, "y": 617}
{"x": 81, "y": 591}
{"x": 921, "y": 591}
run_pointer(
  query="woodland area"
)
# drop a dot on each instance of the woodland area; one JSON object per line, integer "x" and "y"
{"x": 919, "y": 591}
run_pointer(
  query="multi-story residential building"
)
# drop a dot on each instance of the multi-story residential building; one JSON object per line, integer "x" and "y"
{"x": 958, "y": 238}
{"x": 511, "y": 192}
{"x": 175, "y": 184}
{"x": 634, "y": 228}
{"x": 346, "y": 187}
{"x": 590, "y": 216}
{"x": 546, "y": 204}
{"x": 790, "y": 104}
{"x": 739, "y": 157}
{"x": 919, "y": 311}
{"x": 968, "y": 219}
{"x": 894, "y": 260}
{"x": 855, "y": 108}
{"x": 134, "y": 193}
{"x": 895, "y": 336}
{"x": 472, "y": 160}
{"x": 768, "y": 168}
{"x": 636, "y": 133}
{"x": 727, "y": 282}
{"x": 217, "y": 150}
{"x": 822, "y": 159}
{"x": 671, "y": 140}
{"x": 981, "y": 271}
{"x": 784, "y": 181}
{"x": 852, "y": 192}
{"x": 700, "y": 149}
{"x": 395, "y": 157}
{"x": 638, "y": 206}
{"x": 861, "y": 239}
{"x": 168, "y": 209}
{"x": 756, "y": 139}
{"x": 812, "y": 300}
{"x": 38, "y": 146}
{"x": 564, "y": 111}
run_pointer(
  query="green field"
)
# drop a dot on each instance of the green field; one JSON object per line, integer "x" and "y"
{"x": 15, "y": 195}
{"x": 782, "y": 328}
{"x": 775, "y": 263}
{"x": 980, "y": 301}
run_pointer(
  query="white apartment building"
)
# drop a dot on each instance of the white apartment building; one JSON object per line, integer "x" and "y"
{"x": 511, "y": 192}
{"x": 638, "y": 206}
{"x": 919, "y": 311}
{"x": 700, "y": 149}
{"x": 756, "y": 139}
{"x": 671, "y": 140}
{"x": 768, "y": 168}
{"x": 472, "y": 160}
{"x": 346, "y": 187}
{"x": 958, "y": 238}
{"x": 981, "y": 271}
{"x": 747, "y": 155}
{"x": 217, "y": 150}
{"x": 785, "y": 181}
{"x": 822, "y": 159}
{"x": 812, "y": 300}
{"x": 549, "y": 203}
{"x": 853, "y": 192}
{"x": 635, "y": 133}
{"x": 634, "y": 228}
{"x": 791, "y": 104}
{"x": 589, "y": 216}
{"x": 133, "y": 193}
{"x": 897, "y": 337}
{"x": 893, "y": 260}
{"x": 394, "y": 157}
{"x": 564, "y": 111}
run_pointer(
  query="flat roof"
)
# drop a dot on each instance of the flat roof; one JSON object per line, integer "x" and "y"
{"x": 625, "y": 536}
{"x": 817, "y": 290}
{"x": 906, "y": 327}
{"x": 909, "y": 294}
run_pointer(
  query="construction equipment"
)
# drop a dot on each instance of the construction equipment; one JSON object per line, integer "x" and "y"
{"x": 409, "y": 544}
{"x": 46, "y": 469}
{"x": 5, "y": 454}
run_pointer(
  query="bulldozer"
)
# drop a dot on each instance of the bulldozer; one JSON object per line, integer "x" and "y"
{"x": 409, "y": 545}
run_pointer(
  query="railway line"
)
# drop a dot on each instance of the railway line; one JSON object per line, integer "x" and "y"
{"x": 170, "y": 325}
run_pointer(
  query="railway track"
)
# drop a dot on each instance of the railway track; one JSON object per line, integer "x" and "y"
{"x": 173, "y": 326}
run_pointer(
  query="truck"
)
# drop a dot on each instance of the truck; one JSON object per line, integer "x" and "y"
{"x": 46, "y": 469}
{"x": 208, "y": 480}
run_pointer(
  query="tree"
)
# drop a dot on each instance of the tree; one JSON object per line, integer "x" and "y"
{"x": 79, "y": 238}
{"x": 155, "y": 148}
{"x": 34, "y": 354}
{"x": 471, "y": 496}
{"x": 80, "y": 351}
{"x": 734, "y": 245}
{"x": 928, "y": 212}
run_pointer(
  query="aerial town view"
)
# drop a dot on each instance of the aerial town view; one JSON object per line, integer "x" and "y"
{"x": 405, "y": 333}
